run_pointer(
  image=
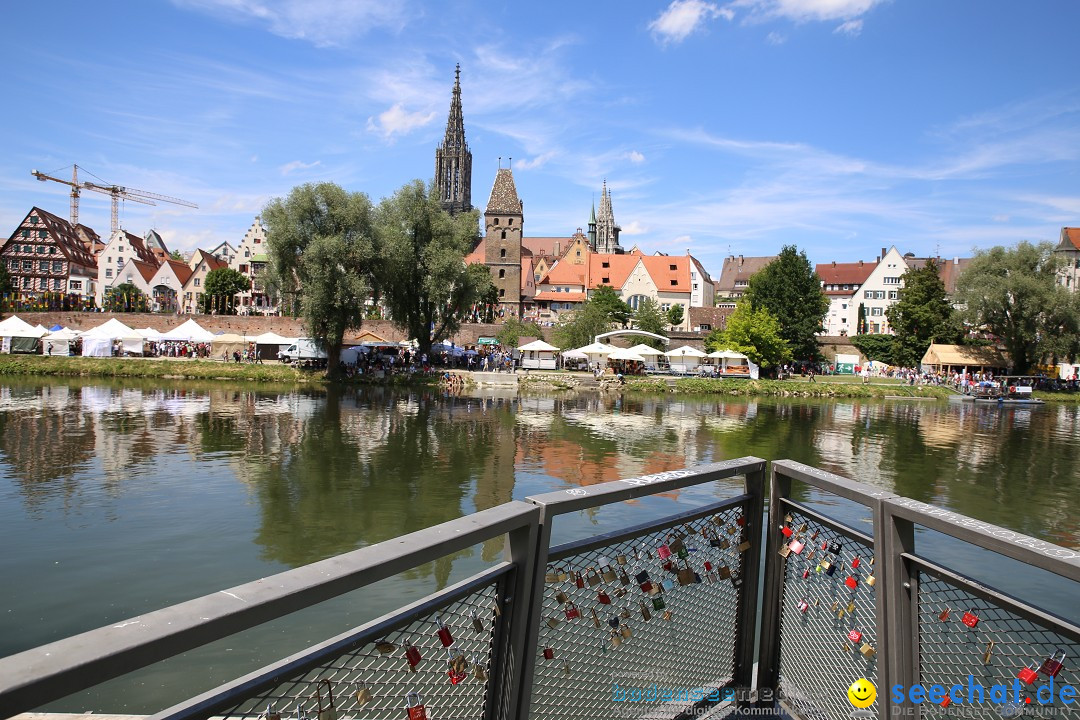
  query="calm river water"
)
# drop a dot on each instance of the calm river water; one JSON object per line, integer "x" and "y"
{"x": 120, "y": 499}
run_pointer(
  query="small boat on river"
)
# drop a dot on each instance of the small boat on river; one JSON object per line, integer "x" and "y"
{"x": 1006, "y": 390}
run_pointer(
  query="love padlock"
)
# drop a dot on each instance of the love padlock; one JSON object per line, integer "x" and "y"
{"x": 271, "y": 713}
{"x": 796, "y": 546}
{"x": 412, "y": 656}
{"x": 945, "y": 615}
{"x": 458, "y": 666}
{"x": 1029, "y": 674}
{"x": 592, "y": 578}
{"x": 603, "y": 598}
{"x": 870, "y": 580}
{"x": 851, "y": 582}
{"x": 578, "y": 580}
{"x": 803, "y": 606}
{"x": 613, "y": 621}
{"x": 868, "y": 651}
{"x": 1052, "y": 665}
{"x": 806, "y": 573}
{"x": 549, "y": 653}
{"x": 646, "y": 614}
{"x": 854, "y": 636}
{"x": 658, "y": 603}
{"x": 363, "y": 695}
{"x": 329, "y": 711}
{"x": 444, "y": 633}
{"x": 784, "y": 551}
{"x": 479, "y": 672}
{"x": 855, "y": 563}
{"x": 788, "y": 532}
{"x": 477, "y": 623}
{"x": 560, "y": 597}
{"x": 663, "y": 552}
{"x": 414, "y": 704}
{"x": 970, "y": 619}
{"x": 571, "y": 611}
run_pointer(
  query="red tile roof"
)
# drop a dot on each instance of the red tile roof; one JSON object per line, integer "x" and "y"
{"x": 560, "y": 296}
{"x": 65, "y": 237}
{"x": 853, "y": 274}
{"x": 145, "y": 269}
{"x": 739, "y": 269}
{"x": 181, "y": 269}
{"x": 1070, "y": 235}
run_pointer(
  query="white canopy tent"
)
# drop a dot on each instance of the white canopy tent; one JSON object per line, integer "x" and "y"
{"x": 650, "y": 354}
{"x": 735, "y": 364}
{"x": 19, "y": 336}
{"x": 684, "y": 359}
{"x": 626, "y": 354}
{"x": 269, "y": 344}
{"x": 190, "y": 331}
{"x": 596, "y": 351}
{"x": 98, "y": 342}
{"x": 538, "y": 355}
{"x": 149, "y": 333}
{"x": 59, "y": 342}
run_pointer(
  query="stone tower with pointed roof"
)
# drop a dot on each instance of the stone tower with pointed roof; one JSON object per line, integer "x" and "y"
{"x": 503, "y": 222}
{"x": 607, "y": 232}
{"x": 453, "y": 161}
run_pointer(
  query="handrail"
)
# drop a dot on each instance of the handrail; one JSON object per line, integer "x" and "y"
{"x": 31, "y": 678}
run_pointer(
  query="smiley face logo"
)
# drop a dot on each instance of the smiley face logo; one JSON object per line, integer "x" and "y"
{"x": 862, "y": 693}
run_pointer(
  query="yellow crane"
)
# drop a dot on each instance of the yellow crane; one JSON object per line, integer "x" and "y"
{"x": 116, "y": 192}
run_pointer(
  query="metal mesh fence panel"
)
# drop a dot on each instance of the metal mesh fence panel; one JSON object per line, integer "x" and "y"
{"x": 828, "y": 622}
{"x": 967, "y": 640}
{"x": 624, "y": 623}
{"x": 374, "y": 679}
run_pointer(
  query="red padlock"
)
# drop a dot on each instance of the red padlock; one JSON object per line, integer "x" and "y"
{"x": 854, "y": 636}
{"x": 415, "y": 707}
{"x": 664, "y": 552}
{"x": 970, "y": 619}
{"x": 825, "y": 545}
{"x": 806, "y": 573}
{"x": 572, "y": 613}
{"x": 796, "y": 546}
{"x": 549, "y": 654}
{"x": 1052, "y": 665}
{"x": 708, "y": 566}
{"x": 459, "y": 666}
{"x": 855, "y": 563}
{"x": 602, "y": 598}
{"x": 578, "y": 580}
{"x": 946, "y": 702}
{"x": 803, "y": 606}
{"x": 788, "y": 532}
{"x": 740, "y": 521}
{"x": 412, "y": 656}
{"x": 1029, "y": 674}
{"x": 444, "y": 633}
{"x": 851, "y": 582}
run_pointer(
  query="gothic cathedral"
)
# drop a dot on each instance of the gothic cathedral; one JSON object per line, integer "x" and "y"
{"x": 453, "y": 161}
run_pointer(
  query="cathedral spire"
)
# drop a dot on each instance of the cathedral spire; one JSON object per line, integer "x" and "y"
{"x": 607, "y": 232}
{"x": 453, "y": 160}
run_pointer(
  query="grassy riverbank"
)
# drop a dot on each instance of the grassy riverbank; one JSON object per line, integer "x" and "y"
{"x": 785, "y": 388}
{"x": 165, "y": 368}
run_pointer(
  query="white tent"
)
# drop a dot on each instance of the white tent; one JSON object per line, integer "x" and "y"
{"x": 149, "y": 333}
{"x": 597, "y": 351}
{"x": 19, "y": 336}
{"x": 735, "y": 364}
{"x": 626, "y": 354}
{"x": 98, "y": 342}
{"x": 269, "y": 344}
{"x": 538, "y": 355}
{"x": 684, "y": 359}
{"x": 59, "y": 342}
{"x": 650, "y": 354}
{"x": 189, "y": 331}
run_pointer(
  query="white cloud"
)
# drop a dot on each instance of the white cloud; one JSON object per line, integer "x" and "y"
{"x": 683, "y": 17}
{"x": 851, "y": 27}
{"x": 534, "y": 163}
{"x": 776, "y": 38}
{"x": 1000, "y": 218}
{"x": 635, "y": 157}
{"x": 320, "y": 22}
{"x": 398, "y": 121}
{"x": 806, "y": 10}
{"x": 295, "y": 165}
{"x": 634, "y": 228}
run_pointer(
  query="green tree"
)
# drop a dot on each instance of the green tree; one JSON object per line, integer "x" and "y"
{"x": 125, "y": 298}
{"x": 1014, "y": 294}
{"x": 791, "y": 291}
{"x": 513, "y": 329}
{"x": 609, "y": 302}
{"x": 581, "y": 326}
{"x": 860, "y": 322}
{"x": 5, "y": 286}
{"x": 675, "y": 315}
{"x": 219, "y": 289}
{"x": 878, "y": 348}
{"x": 650, "y": 318}
{"x": 922, "y": 315}
{"x": 755, "y": 333}
{"x": 426, "y": 287}
{"x": 320, "y": 248}
{"x": 176, "y": 255}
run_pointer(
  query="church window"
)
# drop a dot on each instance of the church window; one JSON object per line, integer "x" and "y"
{"x": 502, "y": 273}
{"x": 502, "y": 253}
{"x": 496, "y": 221}
{"x": 502, "y": 293}
{"x": 510, "y": 221}
{"x": 503, "y": 234}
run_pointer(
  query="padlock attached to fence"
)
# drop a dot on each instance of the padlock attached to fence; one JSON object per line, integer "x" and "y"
{"x": 271, "y": 713}
{"x": 1052, "y": 665}
{"x": 571, "y": 611}
{"x": 327, "y": 711}
{"x": 854, "y": 636}
{"x": 477, "y": 623}
{"x": 970, "y": 619}
{"x": 686, "y": 575}
{"x": 412, "y": 656}
{"x": 1029, "y": 674}
{"x": 458, "y": 668}
{"x": 363, "y": 694}
{"x": 606, "y": 571}
{"x": 414, "y": 706}
{"x": 444, "y": 633}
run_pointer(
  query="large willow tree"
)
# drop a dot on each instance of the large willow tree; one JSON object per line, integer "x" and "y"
{"x": 321, "y": 254}
{"x": 426, "y": 287}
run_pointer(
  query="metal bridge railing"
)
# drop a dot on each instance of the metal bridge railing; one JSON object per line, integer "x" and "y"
{"x": 670, "y": 603}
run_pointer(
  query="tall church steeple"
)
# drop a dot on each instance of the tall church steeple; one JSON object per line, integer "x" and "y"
{"x": 453, "y": 161}
{"x": 607, "y": 232}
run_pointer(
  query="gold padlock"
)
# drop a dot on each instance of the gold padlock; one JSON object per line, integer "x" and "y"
{"x": 560, "y": 597}
{"x": 625, "y": 632}
{"x": 868, "y": 651}
{"x": 329, "y": 712}
{"x": 667, "y": 615}
{"x": 625, "y": 613}
{"x": 271, "y": 713}
{"x": 989, "y": 651}
{"x": 592, "y": 578}
{"x": 802, "y": 528}
{"x": 616, "y": 638}
{"x": 847, "y": 648}
{"x": 479, "y": 672}
{"x": 595, "y": 618}
{"x": 851, "y": 607}
{"x": 562, "y": 575}
{"x": 385, "y": 648}
{"x": 553, "y": 622}
{"x": 621, "y": 559}
{"x": 609, "y": 575}
{"x": 363, "y": 695}
{"x": 835, "y": 606}
{"x": 744, "y": 546}
{"x": 871, "y": 580}
{"x": 785, "y": 551}
{"x": 840, "y": 614}
{"x": 788, "y": 518}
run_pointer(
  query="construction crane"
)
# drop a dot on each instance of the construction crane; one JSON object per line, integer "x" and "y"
{"x": 116, "y": 192}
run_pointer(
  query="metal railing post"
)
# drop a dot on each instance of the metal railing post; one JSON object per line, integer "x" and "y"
{"x": 768, "y": 678}
{"x": 897, "y": 607}
{"x": 529, "y": 630}
{"x": 746, "y": 627}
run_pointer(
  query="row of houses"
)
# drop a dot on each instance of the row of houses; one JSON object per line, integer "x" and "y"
{"x": 47, "y": 256}
{"x": 865, "y": 290}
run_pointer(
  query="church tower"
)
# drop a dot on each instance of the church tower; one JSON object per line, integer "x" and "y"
{"x": 453, "y": 161}
{"x": 607, "y": 232}
{"x": 503, "y": 221}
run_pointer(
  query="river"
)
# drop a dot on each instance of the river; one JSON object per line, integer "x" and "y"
{"x": 117, "y": 499}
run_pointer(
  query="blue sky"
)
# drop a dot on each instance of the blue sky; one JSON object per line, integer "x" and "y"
{"x": 841, "y": 126}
